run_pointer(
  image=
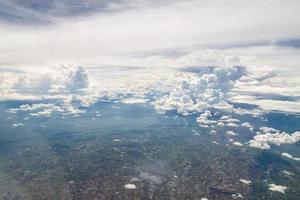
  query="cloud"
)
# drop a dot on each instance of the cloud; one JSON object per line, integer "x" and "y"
{"x": 204, "y": 120}
{"x": 130, "y": 186}
{"x": 273, "y": 137}
{"x": 41, "y": 109}
{"x": 134, "y": 101}
{"x": 206, "y": 89}
{"x": 248, "y": 125}
{"x": 287, "y": 155}
{"x": 237, "y": 196}
{"x": 288, "y": 173}
{"x": 265, "y": 130}
{"x": 237, "y": 143}
{"x": 231, "y": 133}
{"x": 247, "y": 182}
{"x": 78, "y": 79}
{"x": 70, "y": 104}
{"x": 268, "y": 104}
{"x": 63, "y": 79}
{"x": 277, "y": 188}
{"x": 232, "y": 124}
{"x": 254, "y": 112}
{"x": 228, "y": 121}
{"x": 36, "y": 12}
{"x": 184, "y": 25}
{"x": 187, "y": 90}
{"x": 17, "y": 124}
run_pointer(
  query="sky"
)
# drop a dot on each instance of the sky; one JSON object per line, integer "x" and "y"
{"x": 115, "y": 32}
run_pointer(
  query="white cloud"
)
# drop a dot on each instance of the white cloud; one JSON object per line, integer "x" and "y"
{"x": 73, "y": 104}
{"x": 287, "y": 155}
{"x": 232, "y": 124}
{"x": 270, "y": 104}
{"x": 38, "y": 109}
{"x": 265, "y": 129}
{"x": 78, "y": 79}
{"x": 248, "y": 125}
{"x": 220, "y": 124}
{"x": 263, "y": 141}
{"x": 237, "y": 196}
{"x": 288, "y": 173}
{"x": 237, "y": 143}
{"x": 204, "y": 120}
{"x": 33, "y": 107}
{"x": 17, "y": 124}
{"x": 182, "y": 24}
{"x": 130, "y": 186}
{"x": 253, "y": 112}
{"x": 206, "y": 89}
{"x": 247, "y": 182}
{"x": 60, "y": 80}
{"x": 134, "y": 101}
{"x": 231, "y": 133}
{"x": 277, "y": 188}
{"x": 228, "y": 119}
{"x": 192, "y": 90}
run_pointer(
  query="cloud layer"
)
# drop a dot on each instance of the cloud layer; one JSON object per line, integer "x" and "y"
{"x": 215, "y": 79}
{"x": 183, "y": 25}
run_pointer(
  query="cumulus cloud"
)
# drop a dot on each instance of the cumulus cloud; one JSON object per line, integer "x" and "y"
{"x": 206, "y": 89}
{"x": 232, "y": 124}
{"x": 134, "y": 101}
{"x": 78, "y": 79}
{"x": 186, "y": 90}
{"x": 204, "y": 120}
{"x": 231, "y": 133}
{"x": 37, "y": 109}
{"x": 73, "y": 104}
{"x": 248, "y": 125}
{"x": 62, "y": 79}
{"x": 277, "y": 188}
{"x": 273, "y": 137}
{"x": 228, "y": 119}
{"x": 130, "y": 186}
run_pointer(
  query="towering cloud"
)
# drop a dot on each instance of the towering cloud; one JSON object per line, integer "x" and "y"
{"x": 204, "y": 89}
{"x": 78, "y": 79}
